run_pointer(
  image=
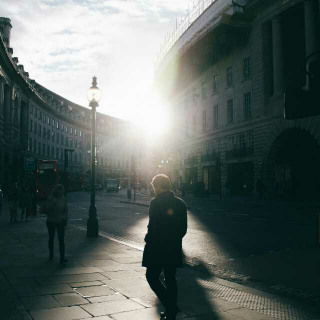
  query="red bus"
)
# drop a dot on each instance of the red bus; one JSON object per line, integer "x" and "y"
{"x": 47, "y": 177}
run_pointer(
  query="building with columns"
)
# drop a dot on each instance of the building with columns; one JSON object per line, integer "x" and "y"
{"x": 226, "y": 72}
{"x": 36, "y": 123}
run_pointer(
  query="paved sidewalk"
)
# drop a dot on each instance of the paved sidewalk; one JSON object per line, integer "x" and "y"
{"x": 104, "y": 280}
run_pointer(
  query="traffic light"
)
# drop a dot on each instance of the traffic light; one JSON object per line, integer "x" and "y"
{"x": 302, "y": 104}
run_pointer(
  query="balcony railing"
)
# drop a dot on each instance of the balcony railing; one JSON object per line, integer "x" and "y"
{"x": 239, "y": 153}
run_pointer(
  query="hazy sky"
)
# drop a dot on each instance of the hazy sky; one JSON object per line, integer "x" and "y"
{"x": 64, "y": 43}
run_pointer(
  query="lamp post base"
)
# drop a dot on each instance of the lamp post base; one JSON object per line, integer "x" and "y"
{"x": 92, "y": 224}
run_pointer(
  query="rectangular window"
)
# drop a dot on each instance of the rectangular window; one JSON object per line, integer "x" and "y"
{"x": 62, "y": 139}
{"x": 246, "y": 68}
{"x": 39, "y": 148}
{"x": 204, "y": 121}
{"x": 229, "y": 77}
{"x": 215, "y": 83}
{"x": 216, "y": 116}
{"x": 75, "y": 132}
{"x": 31, "y": 109}
{"x": 230, "y": 111}
{"x": 48, "y": 134}
{"x": 43, "y": 132}
{"x": 30, "y": 145}
{"x": 71, "y": 143}
{"x": 48, "y": 151}
{"x": 36, "y": 112}
{"x": 67, "y": 140}
{"x": 48, "y": 120}
{"x": 57, "y": 138}
{"x": 80, "y": 133}
{"x": 204, "y": 90}
{"x": 247, "y": 105}
{"x": 44, "y": 118}
{"x": 35, "y": 128}
{"x": 67, "y": 129}
{"x": 53, "y": 122}
{"x": 52, "y": 136}
{"x": 57, "y": 124}
{"x": 242, "y": 142}
{"x": 57, "y": 153}
{"x": 31, "y": 125}
{"x": 71, "y": 129}
{"x": 34, "y": 146}
{"x": 62, "y": 126}
{"x": 52, "y": 152}
{"x": 43, "y": 149}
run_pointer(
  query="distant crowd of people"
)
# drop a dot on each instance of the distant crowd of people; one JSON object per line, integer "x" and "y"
{"x": 18, "y": 198}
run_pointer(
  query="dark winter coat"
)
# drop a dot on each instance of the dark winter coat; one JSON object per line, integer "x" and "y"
{"x": 167, "y": 226}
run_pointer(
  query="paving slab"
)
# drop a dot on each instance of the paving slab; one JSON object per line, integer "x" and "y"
{"x": 137, "y": 291}
{"x": 75, "y": 270}
{"x": 148, "y": 301}
{"x": 64, "y": 313}
{"x": 112, "y": 307}
{"x": 40, "y": 302}
{"x": 53, "y": 289}
{"x": 123, "y": 283}
{"x": 71, "y": 278}
{"x": 100, "y": 318}
{"x": 70, "y": 299}
{"x": 95, "y": 291}
{"x": 115, "y": 297}
{"x": 122, "y": 274}
{"x": 86, "y": 284}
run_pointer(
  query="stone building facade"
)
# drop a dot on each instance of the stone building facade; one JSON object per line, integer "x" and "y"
{"x": 36, "y": 123}
{"x": 226, "y": 77}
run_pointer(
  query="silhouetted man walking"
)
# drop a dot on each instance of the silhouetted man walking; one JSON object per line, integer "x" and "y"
{"x": 163, "y": 250}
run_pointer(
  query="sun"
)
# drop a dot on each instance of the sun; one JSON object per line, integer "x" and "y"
{"x": 152, "y": 116}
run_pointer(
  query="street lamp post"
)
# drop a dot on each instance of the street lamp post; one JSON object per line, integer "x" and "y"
{"x": 94, "y": 96}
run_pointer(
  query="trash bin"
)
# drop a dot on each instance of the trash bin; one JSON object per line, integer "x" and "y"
{"x": 129, "y": 194}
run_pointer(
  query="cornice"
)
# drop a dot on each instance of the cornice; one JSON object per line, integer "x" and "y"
{"x": 16, "y": 75}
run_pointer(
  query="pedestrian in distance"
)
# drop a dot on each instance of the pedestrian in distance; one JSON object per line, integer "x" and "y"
{"x": 1, "y": 200}
{"x": 25, "y": 202}
{"x": 56, "y": 208}
{"x": 13, "y": 200}
{"x": 163, "y": 250}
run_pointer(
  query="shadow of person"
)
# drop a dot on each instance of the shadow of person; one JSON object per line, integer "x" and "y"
{"x": 193, "y": 299}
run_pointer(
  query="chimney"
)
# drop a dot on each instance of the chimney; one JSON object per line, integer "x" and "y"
{"x": 5, "y": 27}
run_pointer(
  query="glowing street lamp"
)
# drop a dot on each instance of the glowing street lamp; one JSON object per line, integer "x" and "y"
{"x": 94, "y": 96}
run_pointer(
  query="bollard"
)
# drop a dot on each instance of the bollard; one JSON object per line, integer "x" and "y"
{"x": 318, "y": 228}
{"x": 129, "y": 194}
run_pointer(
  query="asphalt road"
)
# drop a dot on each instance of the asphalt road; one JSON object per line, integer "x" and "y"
{"x": 223, "y": 237}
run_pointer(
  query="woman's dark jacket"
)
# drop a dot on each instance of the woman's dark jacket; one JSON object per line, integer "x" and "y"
{"x": 167, "y": 226}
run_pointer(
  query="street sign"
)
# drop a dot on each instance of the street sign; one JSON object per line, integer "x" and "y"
{"x": 30, "y": 164}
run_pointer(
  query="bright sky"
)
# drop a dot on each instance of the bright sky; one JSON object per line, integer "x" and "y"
{"x": 64, "y": 43}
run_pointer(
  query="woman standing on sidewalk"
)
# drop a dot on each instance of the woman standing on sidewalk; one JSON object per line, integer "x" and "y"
{"x": 57, "y": 215}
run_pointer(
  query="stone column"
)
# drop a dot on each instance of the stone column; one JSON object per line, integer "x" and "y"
{"x": 277, "y": 53}
{"x": 311, "y": 32}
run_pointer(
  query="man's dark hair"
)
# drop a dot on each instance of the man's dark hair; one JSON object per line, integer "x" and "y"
{"x": 162, "y": 181}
